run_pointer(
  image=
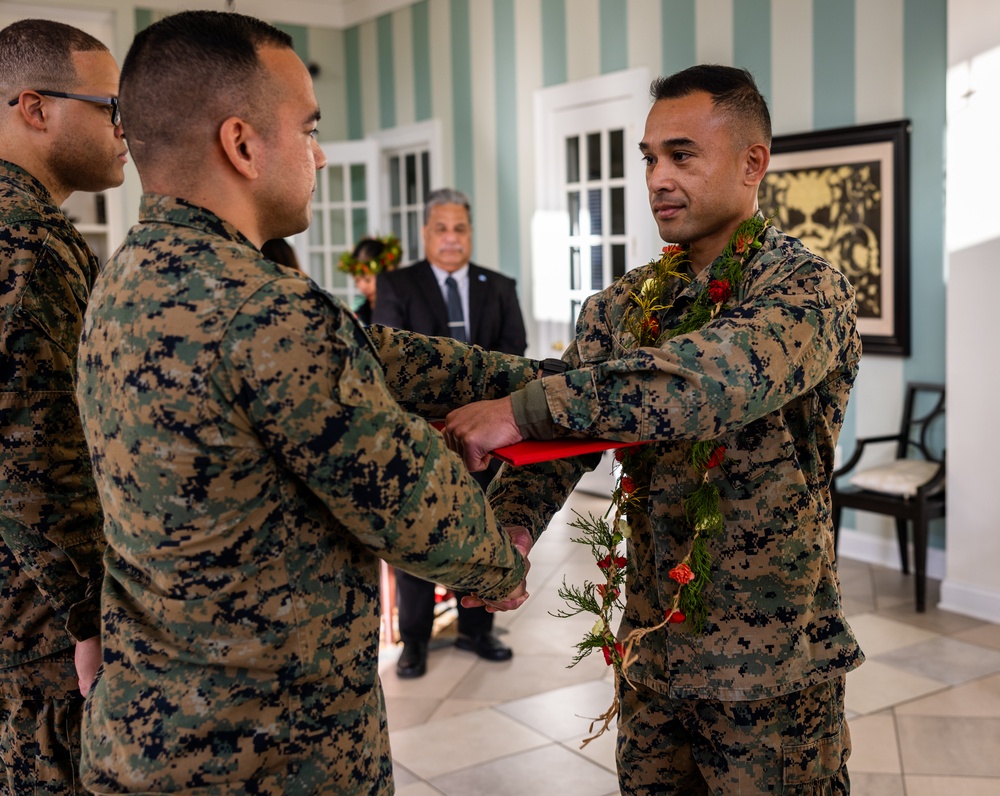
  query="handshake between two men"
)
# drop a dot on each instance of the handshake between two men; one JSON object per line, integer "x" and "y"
{"x": 474, "y": 431}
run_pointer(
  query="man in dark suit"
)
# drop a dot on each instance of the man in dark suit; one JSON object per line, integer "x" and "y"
{"x": 446, "y": 295}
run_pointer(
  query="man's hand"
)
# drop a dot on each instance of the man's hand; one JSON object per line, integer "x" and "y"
{"x": 476, "y": 429}
{"x": 521, "y": 539}
{"x": 87, "y": 657}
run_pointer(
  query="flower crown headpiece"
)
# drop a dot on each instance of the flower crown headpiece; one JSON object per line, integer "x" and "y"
{"x": 386, "y": 261}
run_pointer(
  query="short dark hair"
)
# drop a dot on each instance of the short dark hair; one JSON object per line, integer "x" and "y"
{"x": 187, "y": 73}
{"x": 368, "y": 249}
{"x": 38, "y": 54}
{"x": 733, "y": 90}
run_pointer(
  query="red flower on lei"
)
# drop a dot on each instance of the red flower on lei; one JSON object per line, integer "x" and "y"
{"x": 602, "y": 589}
{"x": 608, "y": 657}
{"x": 717, "y": 458}
{"x": 719, "y": 290}
{"x": 681, "y": 573}
{"x": 618, "y": 562}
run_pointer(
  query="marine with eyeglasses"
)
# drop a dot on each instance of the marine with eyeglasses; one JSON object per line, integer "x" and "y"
{"x": 59, "y": 133}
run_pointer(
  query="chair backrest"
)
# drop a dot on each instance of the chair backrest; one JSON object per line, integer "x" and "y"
{"x": 920, "y": 423}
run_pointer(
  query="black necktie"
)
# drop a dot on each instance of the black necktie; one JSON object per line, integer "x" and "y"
{"x": 456, "y": 320}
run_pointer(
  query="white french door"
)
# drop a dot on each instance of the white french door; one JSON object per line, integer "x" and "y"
{"x": 346, "y": 207}
{"x": 592, "y": 220}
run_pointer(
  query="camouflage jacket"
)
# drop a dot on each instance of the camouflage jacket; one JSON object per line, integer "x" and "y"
{"x": 769, "y": 379}
{"x": 50, "y": 517}
{"x": 254, "y": 467}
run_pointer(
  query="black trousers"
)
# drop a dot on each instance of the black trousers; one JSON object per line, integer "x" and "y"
{"x": 415, "y": 597}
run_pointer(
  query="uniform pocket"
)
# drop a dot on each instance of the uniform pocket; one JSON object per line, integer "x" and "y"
{"x": 816, "y": 761}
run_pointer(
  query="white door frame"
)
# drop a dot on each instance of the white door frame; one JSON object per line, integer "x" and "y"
{"x": 550, "y": 227}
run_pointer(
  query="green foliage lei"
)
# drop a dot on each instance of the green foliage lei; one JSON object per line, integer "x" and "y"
{"x": 701, "y": 508}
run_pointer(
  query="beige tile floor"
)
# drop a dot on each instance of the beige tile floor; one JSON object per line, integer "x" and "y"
{"x": 924, "y": 710}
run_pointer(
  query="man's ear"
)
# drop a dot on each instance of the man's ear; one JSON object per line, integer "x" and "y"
{"x": 33, "y": 110}
{"x": 242, "y": 145}
{"x": 756, "y": 161}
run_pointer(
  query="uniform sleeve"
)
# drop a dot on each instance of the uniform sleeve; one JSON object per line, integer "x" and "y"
{"x": 776, "y": 345}
{"x": 52, "y": 521}
{"x": 752, "y": 360}
{"x": 430, "y": 376}
{"x": 306, "y": 376}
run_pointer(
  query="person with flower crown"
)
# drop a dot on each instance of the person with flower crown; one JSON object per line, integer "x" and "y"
{"x": 731, "y": 356}
{"x": 371, "y": 257}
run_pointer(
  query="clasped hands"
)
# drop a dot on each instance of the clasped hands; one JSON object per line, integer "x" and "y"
{"x": 474, "y": 431}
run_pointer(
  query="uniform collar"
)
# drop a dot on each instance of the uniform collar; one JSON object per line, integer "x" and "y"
{"x": 174, "y": 210}
{"x": 25, "y": 181}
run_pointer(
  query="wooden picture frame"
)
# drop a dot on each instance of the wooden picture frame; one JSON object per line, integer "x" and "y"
{"x": 845, "y": 193}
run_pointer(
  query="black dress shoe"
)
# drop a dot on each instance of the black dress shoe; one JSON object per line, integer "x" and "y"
{"x": 486, "y": 646}
{"x": 412, "y": 660}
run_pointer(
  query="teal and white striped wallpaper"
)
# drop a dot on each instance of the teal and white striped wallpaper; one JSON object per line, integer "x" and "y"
{"x": 474, "y": 64}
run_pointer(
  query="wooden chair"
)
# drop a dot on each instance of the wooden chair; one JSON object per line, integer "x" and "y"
{"x": 911, "y": 488}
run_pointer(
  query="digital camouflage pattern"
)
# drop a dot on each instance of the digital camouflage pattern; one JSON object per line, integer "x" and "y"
{"x": 769, "y": 379}
{"x": 50, "y": 517}
{"x": 40, "y": 715}
{"x": 254, "y": 467}
{"x": 795, "y": 744}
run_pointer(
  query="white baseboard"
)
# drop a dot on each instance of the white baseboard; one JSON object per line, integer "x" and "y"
{"x": 957, "y": 597}
{"x": 885, "y": 552}
{"x": 970, "y": 600}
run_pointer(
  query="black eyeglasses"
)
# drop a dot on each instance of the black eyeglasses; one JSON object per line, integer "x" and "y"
{"x": 111, "y": 102}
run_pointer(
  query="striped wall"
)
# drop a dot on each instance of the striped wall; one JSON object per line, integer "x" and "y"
{"x": 475, "y": 65}
{"x": 821, "y": 63}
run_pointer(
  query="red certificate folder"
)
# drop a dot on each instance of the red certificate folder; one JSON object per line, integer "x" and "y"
{"x": 532, "y": 451}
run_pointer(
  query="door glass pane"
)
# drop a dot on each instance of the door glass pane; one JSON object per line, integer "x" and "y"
{"x": 316, "y": 230}
{"x": 617, "y": 211}
{"x": 316, "y": 262}
{"x": 359, "y": 218}
{"x": 596, "y": 211}
{"x": 616, "y": 140}
{"x": 359, "y": 188}
{"x": 335, "y": 175}
{"x": 593, "y": 156}
{"x": 575, "y": 282}
{"x": 617, "y": 260}
{"x": 338, "y": 228}
{"x": 411, "y": 179}
{"x": 425, "y": 167}
{"x": 573, "y": 159}
{"x": 395, "y": 198}
{"x": 596, "y": 267}
{"x": 413, "y": 235}
{"x": 573, "y": 204}
{"x": 396, "y": 220}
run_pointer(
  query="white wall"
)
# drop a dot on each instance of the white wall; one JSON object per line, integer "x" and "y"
{"x": 972, "y": 584}
{"x": 972, "y": 580}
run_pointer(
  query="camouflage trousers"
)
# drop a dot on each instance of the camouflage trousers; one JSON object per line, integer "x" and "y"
{"x": 797, "y": 744}
{"x": 40, "y": 712}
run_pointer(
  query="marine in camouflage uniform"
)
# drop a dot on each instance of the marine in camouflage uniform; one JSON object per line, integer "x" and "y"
{"x": 50, "y": 517}
{"x": 769, "y": 379}
{"x": 254, "y": 467}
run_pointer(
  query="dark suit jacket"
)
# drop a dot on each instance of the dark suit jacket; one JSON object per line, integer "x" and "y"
{"x": 411, "y": 299}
